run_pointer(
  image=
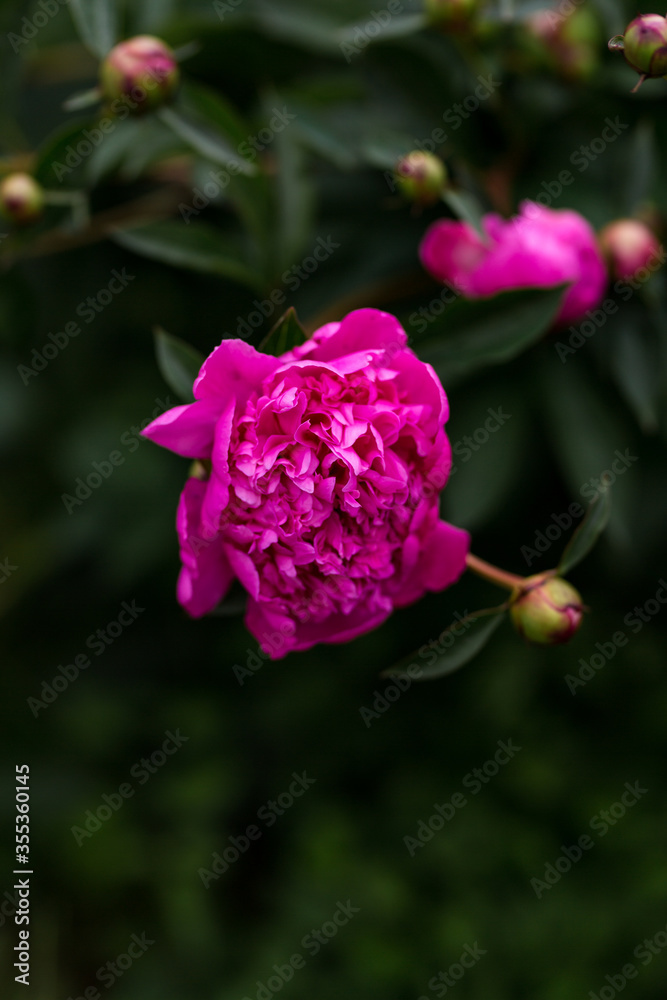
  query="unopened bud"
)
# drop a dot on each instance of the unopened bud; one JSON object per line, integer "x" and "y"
{"x": 645, "y": 45}
{"x": 141, "y": 72}
{"x": 546, "y": 610}
{"x": 421, "y": 177}
{"x": 627, "y": 245}
{"x": 569, "y": 42}
{"x": 21, "y": 199}
{"x": 449, "y": 13}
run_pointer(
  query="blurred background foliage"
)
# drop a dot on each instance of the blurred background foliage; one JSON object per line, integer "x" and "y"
{"x": 360, "y": 98}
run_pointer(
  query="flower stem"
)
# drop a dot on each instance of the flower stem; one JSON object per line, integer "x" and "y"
{"x": 492, "y": 573}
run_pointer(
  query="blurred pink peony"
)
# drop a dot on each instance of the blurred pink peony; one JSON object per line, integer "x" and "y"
{"x": 539, "y": 248}
{"x": 323, "y": 472}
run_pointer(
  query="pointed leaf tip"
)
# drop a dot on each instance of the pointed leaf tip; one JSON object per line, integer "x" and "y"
{"x": 588, "y": 532}
{"x": 284, "y": 336}
{"x": 179, "y": 363}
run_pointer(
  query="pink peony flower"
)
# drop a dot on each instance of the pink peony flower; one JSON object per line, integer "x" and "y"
{"x": 539, "y": 248}
{"x": 322, "y": 495}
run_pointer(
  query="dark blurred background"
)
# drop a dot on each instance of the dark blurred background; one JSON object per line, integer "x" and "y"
{"x": 140, "y": 878}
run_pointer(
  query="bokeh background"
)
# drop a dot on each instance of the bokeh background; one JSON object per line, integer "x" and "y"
{"x": 67, "y": 574}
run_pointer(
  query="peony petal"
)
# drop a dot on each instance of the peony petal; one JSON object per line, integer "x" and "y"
{"x": 450, "y": 251}
{"x": 187, "y": 430}
{"x": 217, "y": 489}
{"x": 279, "y": 635}
{"x": 206, "y": 575}
{"x": 442, "y": 560}
{"x": 232, "y": 371}
{"x": 361, "y": 330}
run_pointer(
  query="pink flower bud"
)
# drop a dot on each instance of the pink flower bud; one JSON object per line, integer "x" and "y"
{"x": 627, "y": 245}
{"x": 645, "y": 45}
{"x": 546, "y": 610}
{"x": 421, "y": 177}
{"x": 21, "y": 199}
{"x": 141, "y": 73}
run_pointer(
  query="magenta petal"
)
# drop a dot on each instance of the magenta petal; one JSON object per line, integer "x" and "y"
{"x": 278, "y": 635}
{"x": 232, "y": 371}
{"x": 442, "y": 560}
{"x": 422, "y": 386}
{"x": 188, "y": 430}
{"x": 206, "y": 575}
{"x": 361, "y": 330}
{"x": 450, "y": 251}
{"x": 539, "y": 248}
{"x": 217, "y": 487}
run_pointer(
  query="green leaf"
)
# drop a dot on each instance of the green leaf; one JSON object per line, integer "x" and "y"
{"x": 636, "y": 368}
{"x": 295, "y": 200}
{"x": 83, "y": 99}
{"x": 354, "y": 38}
{"x": 219, "y": 115}
{"x": 207, "y": 140}
{"x": 56, "y": 166}
{"x": 196, "y": 247}
{"x": 643, "y": 165}
{"x": 285, "y": 335}
{"x": 484, "y": 475}
{"x": 179, "y": 363}
{"x": 480, "y": 626}
{"x": 466, "y": 208}
{"x": 588, "y": 532}
{"x": 96, "y": 21}
{"x": 473, "y": 334}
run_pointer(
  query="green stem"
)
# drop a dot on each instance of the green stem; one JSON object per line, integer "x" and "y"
{"x": 498, "y": 576}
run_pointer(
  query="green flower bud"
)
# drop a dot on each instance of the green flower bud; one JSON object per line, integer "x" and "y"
{"x": 140, "y": 73}
{"x": 645, "y": 45}
{"x": 421, "y": 177}
{"x": 21, "y": 199}
{"x": 546, "y": 609}
{"x": 449, "y": 13}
